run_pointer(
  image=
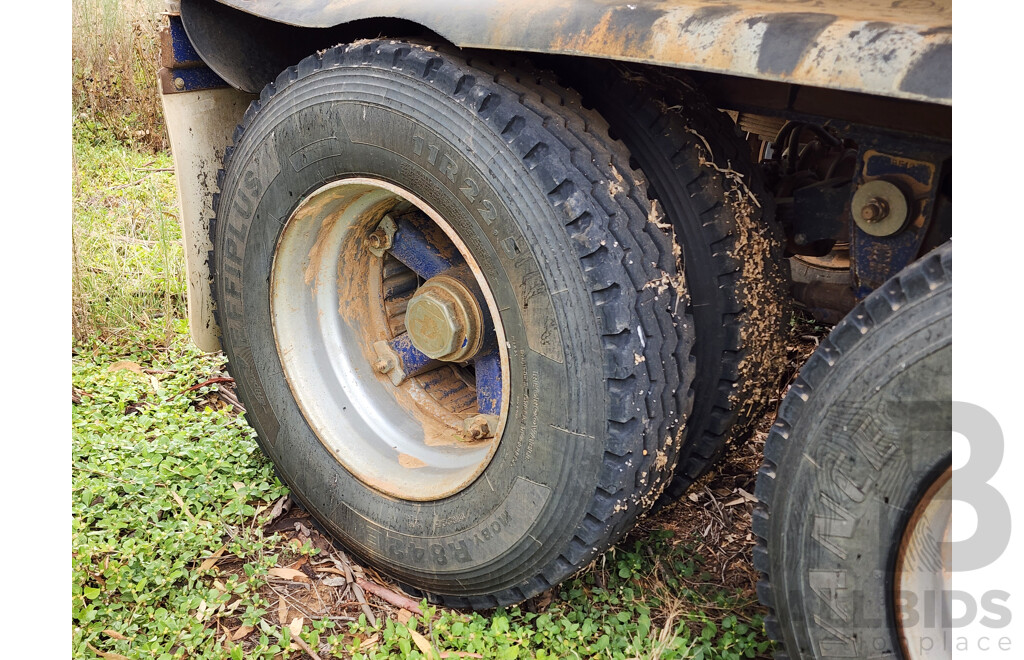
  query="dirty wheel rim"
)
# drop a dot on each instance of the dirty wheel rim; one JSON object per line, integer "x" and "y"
{"x": 924, "y": 572}
{"x": 351, "y": 260}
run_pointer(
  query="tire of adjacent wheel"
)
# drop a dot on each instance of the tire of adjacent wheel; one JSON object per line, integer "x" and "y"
{"x": 699, "y": 172}
{"x": 557, "y": 226}
{"x": 860, "y": 446}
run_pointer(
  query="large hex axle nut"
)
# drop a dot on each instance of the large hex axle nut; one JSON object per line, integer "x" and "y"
{"x": 444, "y": 320}
{"x": 879, "y": 208}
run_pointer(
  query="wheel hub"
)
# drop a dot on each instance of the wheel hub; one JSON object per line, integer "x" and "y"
{"x": 444, "y": 320}
{"x": 390, "y": 339}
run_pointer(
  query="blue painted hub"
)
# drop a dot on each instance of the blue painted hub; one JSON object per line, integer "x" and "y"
{"x": 425, "y": 249}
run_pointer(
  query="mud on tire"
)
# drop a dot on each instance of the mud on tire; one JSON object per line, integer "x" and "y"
{"x": 699, "y": 172}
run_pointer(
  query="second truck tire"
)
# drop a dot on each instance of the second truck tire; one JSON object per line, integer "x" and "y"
{"x": 855, "y": 488}
{"x": 699, "y": 172}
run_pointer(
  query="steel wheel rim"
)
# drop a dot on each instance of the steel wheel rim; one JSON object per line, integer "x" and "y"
{"x": 330, "y": 314}
{"x": 924, "y": 573}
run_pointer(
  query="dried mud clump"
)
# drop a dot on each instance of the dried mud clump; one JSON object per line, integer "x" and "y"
{"x": 762, "y": 291}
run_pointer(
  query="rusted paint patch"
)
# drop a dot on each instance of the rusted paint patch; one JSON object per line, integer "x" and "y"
{"x": 410, "y": 462}
{"x": 884, "y": 47}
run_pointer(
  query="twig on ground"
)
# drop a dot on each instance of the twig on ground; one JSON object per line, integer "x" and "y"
{"x": 396, "y": 599}
{"x": 305, "y": 647}
{"x": 125, "y": 185}
{"x": 210, "y": 381}
{"x": 357, "y": 590}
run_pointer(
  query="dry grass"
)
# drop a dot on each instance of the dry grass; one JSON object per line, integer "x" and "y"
{"x": 114, "y": 50}
{"x": 127, "y": 264}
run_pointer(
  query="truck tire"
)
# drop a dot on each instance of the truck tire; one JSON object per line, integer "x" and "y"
{"x": 699, "y": 172}
{"x": 854, "y": 490}
{"x": 438, "y": 289}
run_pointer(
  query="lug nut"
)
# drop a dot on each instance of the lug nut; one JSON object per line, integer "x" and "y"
{"x": 876, "y": 210}
{"x": 379, "y": 240}
{"x": 479, "y": 427}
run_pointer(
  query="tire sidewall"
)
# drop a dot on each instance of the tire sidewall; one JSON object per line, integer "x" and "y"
{"x": 854, "y": 471}
{"x": 544, "y": 472}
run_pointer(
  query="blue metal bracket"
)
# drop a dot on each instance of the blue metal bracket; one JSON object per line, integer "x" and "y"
{"x": 418, "y": 246}
{"x": 488, "y": 382}
{"x": 182, "y": 70}
{"x": 181, "y": 51}
{"x": 877, "y": 258}
{"x": 413, "y": 362}
{"x": 422, "y": 247}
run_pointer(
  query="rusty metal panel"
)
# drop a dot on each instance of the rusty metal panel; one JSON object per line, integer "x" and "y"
{"x": 893, "y": 48}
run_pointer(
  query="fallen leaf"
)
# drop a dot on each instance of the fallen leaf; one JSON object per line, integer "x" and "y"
{"x": 209, "y": 562}
{"x": 747, "y": 496}
{"x": 296, "y": 625}
{"x": 241, "y": 632}
{"x": 181, "y": 503}
{"x": 422, "y": 643}
{"x": 219, "y": 586}
{"x": 122, "y": 365}
{"x": 334, "y": 581}
{"x": 459, "y": 654}
{"x": 328, "y": 569}
{"x": 288, "y": 574}
{"x": 114, "y": 634}
{"x": 403, "y": 615}
{"x": 280, "y": 506}
{"x": 369, "y": 641}
{"x": 104, "y": 654}
{"x": 155, "y": 382}
{"x": 693, "y": 497}
{"x": 282, "y": 610}
{"x": 238, "y": 485}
